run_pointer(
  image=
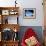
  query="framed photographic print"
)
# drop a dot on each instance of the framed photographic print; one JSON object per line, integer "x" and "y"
{"x": 5, "y": 12}
{"x": 29, "y": 13}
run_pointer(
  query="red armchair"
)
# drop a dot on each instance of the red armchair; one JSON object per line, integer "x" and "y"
{"x": 28, "y": 34}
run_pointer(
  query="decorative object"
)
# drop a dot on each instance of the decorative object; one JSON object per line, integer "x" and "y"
{"x": 30, "y": 13}
{"x": 5, "y": 12}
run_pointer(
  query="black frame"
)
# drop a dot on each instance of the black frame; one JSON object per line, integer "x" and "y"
{"x": 27, "y": 13}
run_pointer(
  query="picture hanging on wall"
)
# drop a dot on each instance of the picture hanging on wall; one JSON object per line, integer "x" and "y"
{"x": 29, "y": 13}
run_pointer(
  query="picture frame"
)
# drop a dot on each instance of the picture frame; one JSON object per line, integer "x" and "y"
{"x": 29, "y": 13}
{"x": 13, "y": 12}
{"x": 5, "y": 12}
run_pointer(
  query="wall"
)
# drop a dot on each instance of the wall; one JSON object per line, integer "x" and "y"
{"x": 27, "y": 4}
{"x": 39, "y": 13}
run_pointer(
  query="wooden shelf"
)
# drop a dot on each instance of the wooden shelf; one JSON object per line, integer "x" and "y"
{"x": 9, "y": 43}
{"x": 8, "y": 8}
{"x": 11, "y": 26}
{"x": 4, "y": 13}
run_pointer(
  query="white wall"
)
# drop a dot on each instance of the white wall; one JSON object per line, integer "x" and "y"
{"x": 39, "y": 12}
{"x": 7, "y": 3}
{"x": 27, "y": 4}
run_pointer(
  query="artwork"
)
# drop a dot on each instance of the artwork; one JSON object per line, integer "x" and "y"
{"x": 30, "y": 13}
{"x": 5, "y": 12}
